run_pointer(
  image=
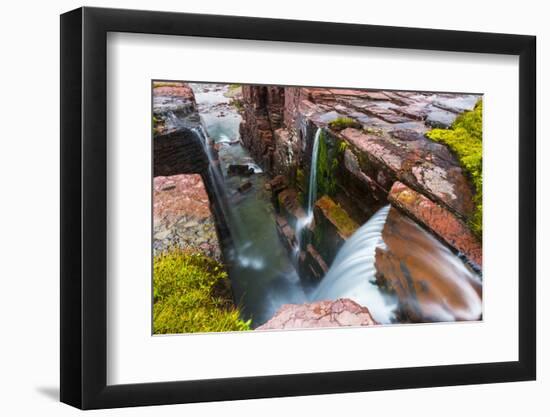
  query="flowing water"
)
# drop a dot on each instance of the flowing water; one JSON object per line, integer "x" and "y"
{"x": 312, "y": 192}
{"x": 263, "y": 276}
{"x": 352, "y": 273}
{"x": 304, "y": 222}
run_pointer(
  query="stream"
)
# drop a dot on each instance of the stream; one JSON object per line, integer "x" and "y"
{"x": 262, "y": 274}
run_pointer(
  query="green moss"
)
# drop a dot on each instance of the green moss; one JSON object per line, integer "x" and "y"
{"x": 342, "y": 123}
{"x": 326, "y": 167}
{"x": 328, "y": 162}
{"x": 190, "y": 295}
{"x": 337, "y": 216}
{"x": 464, "y": 138}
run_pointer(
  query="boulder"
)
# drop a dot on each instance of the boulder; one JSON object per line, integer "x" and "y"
{"x": 340, "y": 313}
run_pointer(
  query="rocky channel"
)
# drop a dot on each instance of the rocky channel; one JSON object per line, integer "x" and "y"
{"x": 373, "y": 152}
{"x": 233, "y": 171}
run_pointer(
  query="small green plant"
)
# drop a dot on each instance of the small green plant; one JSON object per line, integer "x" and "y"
{"x": 342, "y": 123}
{"x": 190, "y": 294}
{"x": 342, "y": 146}
{"x": 464, "y": 138}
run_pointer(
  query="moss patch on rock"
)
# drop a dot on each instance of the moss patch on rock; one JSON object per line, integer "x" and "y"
{"x": 191, "y": 294}
{"x": 464, "y": 138}
{"x": 331, "y": 152}
{"x": 337, "y": 216}
{"x": 342, "y": 123}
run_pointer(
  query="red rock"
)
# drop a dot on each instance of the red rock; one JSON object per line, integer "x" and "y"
{"x": 179, "y": 195}
{"x": 289, "y": 205}
{"x": 340, "y": 313}
{"x": 175, "y": 89}
{"x": 313, "y": 263}
{"x": 439, "y": 220}
{"x": 421, "y": 164}
{"x": 182, "y": 215}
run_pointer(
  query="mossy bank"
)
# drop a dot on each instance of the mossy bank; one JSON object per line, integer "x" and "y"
{"x": 191, "y": 295}
{"x": 464, "y": 138}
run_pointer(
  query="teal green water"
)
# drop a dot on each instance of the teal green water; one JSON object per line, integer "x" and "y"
{"x": 262, "y": 274}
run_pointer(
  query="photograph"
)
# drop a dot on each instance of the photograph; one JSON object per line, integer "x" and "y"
{"x": 297, "y": 207}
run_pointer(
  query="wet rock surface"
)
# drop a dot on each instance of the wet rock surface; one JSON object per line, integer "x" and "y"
{"x": 391, "y": 143}
{"x": 182, "y": 216}
{"x": 431, "y": 283}
{"x": 373, "y": 139}
{"x": 439, "y": 220}
{"x": 340, "y": 313}
{"x": 173, "y": 104}
{"x": 416, "y": 161}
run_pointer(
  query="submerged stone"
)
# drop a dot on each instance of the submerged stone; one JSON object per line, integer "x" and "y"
{"x": 240, "y": 169}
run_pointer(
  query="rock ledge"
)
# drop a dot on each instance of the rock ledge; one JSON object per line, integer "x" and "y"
{"x": 340, "y": 313}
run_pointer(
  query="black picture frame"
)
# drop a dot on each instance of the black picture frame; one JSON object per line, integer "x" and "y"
{"x": 84, "y": 207}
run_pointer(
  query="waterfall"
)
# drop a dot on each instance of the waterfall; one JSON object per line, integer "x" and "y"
{"x": 312, "y": 192}
{"x": 352, "y": 274}
{"x": 302, "y": 223}
{"x": 218, "y": 184}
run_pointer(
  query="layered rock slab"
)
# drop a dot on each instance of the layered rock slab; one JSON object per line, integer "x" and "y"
{"x": 182, "y": 217}
{"x": 340, "y": 313}
{"x": 439, "y": 220}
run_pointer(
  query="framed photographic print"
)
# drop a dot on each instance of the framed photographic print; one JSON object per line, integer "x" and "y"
{"x": 256, "y": 208}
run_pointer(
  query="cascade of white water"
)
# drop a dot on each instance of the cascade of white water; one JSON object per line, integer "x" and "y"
{"x": 302, "y": 223}
{"x": 218, "y": 183}
{"x": 352, "y": 273}
{"x": 312, "y": 192}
